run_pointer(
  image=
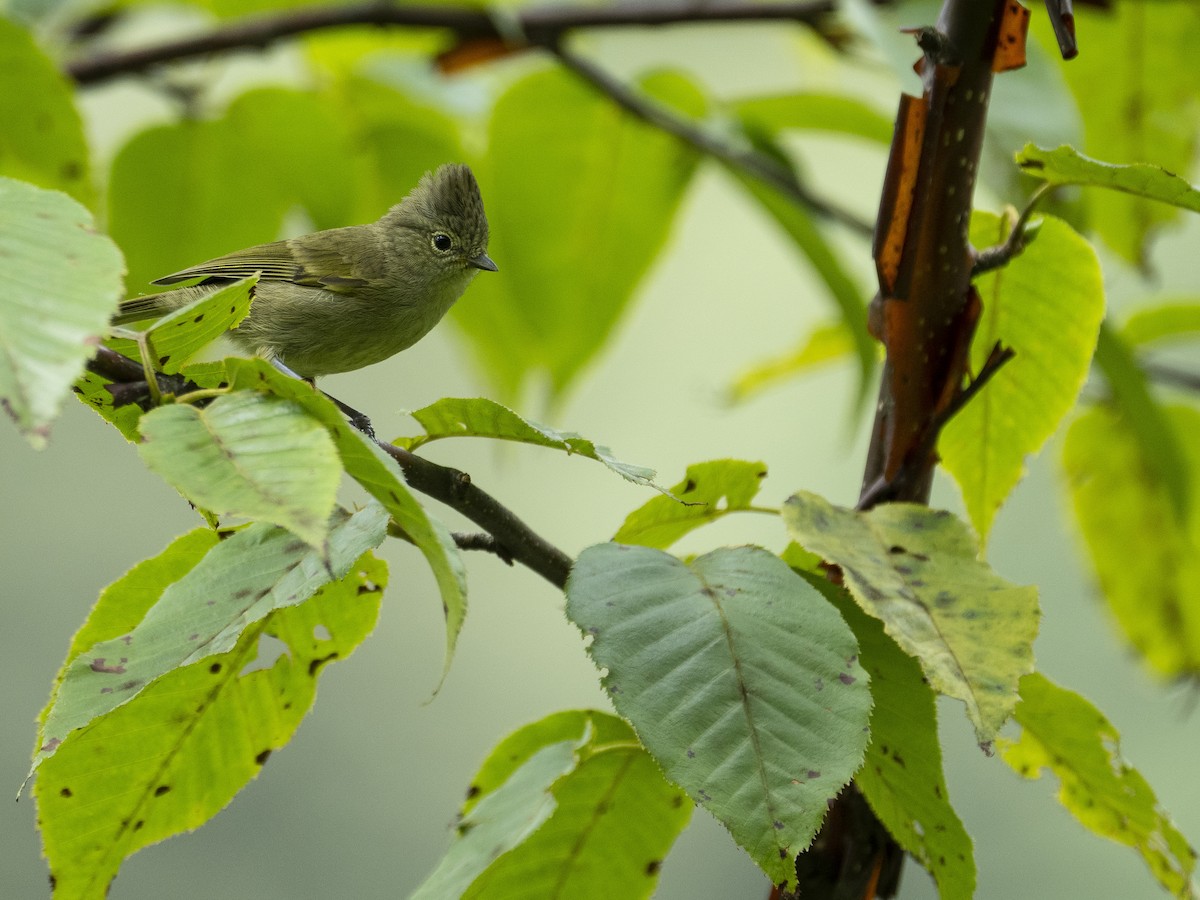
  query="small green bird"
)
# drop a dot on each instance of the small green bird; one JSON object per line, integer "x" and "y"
{"x": 341, "y": 299}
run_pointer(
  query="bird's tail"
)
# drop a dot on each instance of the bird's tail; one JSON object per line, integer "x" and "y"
{"x": 148, "y": 306}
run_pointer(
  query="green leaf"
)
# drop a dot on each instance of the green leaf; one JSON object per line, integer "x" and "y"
{"x": 180, "y": 335}
{"x": 398, "y": 138}
{"x": 614, "y": 817}
{"x": 60, "y": 283}
{"x": 379, "y": 474}
{"x": 902, "y": 775}
{"x": 248, "y": 454}
{"x": 823, "y": 344}
{"x": 501, "y": 821}
{"x": 580, "y": 198}
{"x": 709, "y": 491}
{"x": 1065, "y": 165}
{"x": 1174, "y": 319}
{"x": 1135, "y": 85}
{"x": 740, "y": 679}
{"x": 809, "y": 111}
{"x": 1066, "y": 734}
{"x": 1046, "y": 304}
{"x": 917, "y": 571}
{"x": 42, "y": 140}
{"x": 240, "y": 581}
{"x": 178, "y": 194}
{"x": 1146, "y": 557}
{"x": 479, "y": 417}
{"x": 169, "y": 760}
{"x": 1161, "y": 447}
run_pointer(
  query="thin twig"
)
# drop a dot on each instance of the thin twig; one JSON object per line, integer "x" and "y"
{"x": 1165, "y": 374}
{"x": 751, "y": 162}
{"x": 882, "y": 491}
{"x": 539, "y": 24}
{"x": 1019, "y": 237}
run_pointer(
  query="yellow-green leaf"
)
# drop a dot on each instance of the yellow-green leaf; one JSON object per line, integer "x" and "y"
{"x": 918, "y": 571}
{"x": 1147, "y": 559}
{"x": 708, "y": 491}
{"x": 171, "y": 758}
{"x": 1046, "y": 305}
{"x": 1064, "y": 733}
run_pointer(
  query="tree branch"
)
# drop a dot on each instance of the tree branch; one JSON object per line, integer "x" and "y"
{"x": 751, "y": 162}
{"x": 511, "y": 539}
{"x": 538, "y": 25}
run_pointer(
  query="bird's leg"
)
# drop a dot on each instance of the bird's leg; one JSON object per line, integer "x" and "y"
{"x": 359, "y": 420}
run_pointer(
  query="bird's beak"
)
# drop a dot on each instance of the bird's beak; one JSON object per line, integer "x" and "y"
{"x": 483, "y": 261}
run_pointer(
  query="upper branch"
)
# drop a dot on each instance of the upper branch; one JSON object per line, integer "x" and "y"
{"x": 538, "y": 25}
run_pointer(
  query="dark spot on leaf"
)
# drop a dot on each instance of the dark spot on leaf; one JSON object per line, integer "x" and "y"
{"x": 691, "y": 754}
{"x": 777, "y": 825}
{"x": 704, "y": 795}
{"x": 689, "y": 487}
{"x": 813, "y": 773}
{"x": 904, "y": 570}
{"x": 896, "y": 548}
{"x": 194, "y": 636}
{"x": 846, "y": 679}
{"x": 161, "y": 789}
{"x": 262, "y": 757}
{"x": 242, "y": 593}
{"x": 653, "y": 866}
{"x": 287, "y": 705}
{"x": 295, "y": 547}
{"x": 473, "y": 791}
{"x": 163, "y": 360}
{"x": 371, "y": 589}
{"x": 943, "y": 599}
{"x": 99, "y": 665}
{"x": 677, "y": 801}
{"x": 937, "y": 790}
{"x": 50, "y": 745}
{"x": 137, "y": 826}
{"x": 898, "y": 759}
{"x": 198, "y": 319}
{"x": 819, "y": 684}
{"x": 106, "y": 690}
{"x": 65, "y": 792}
{"x": 315, "y": 665}
{"x": 782, "y": 853}
{"x": 130, "y": 685}
{"x": 215, "y": 668}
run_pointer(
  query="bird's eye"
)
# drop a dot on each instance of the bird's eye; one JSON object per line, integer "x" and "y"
{"x": 442, "y": 242}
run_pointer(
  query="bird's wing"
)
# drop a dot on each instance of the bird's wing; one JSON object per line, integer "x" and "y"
{"x": 302, "y": 261}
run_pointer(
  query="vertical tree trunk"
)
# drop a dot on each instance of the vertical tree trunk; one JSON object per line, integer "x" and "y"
{"x": 925, "y": 314}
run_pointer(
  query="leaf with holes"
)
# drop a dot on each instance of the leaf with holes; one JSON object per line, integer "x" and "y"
{"x": 1062, "y": 732}
{"x": 247, "y": 454}
{"x": 178, "y": 336}
{"x": 918, "y": 571}
{"x": 174, "y": 756}
{"x": 709, "y": 491}
{"x": 202, "y": 613}
{"x": 740, "y": 679}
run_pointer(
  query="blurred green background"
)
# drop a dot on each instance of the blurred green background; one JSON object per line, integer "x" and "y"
{"x": 361, "y": 803}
